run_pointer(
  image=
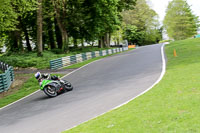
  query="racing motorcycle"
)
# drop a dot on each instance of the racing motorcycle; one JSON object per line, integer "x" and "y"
{"x": 54, "y": 87}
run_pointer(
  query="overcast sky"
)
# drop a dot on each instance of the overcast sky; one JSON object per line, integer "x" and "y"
{"x": 160, "y": 7}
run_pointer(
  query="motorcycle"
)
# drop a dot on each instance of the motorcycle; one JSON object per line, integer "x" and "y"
{"x": 54, "y": 87}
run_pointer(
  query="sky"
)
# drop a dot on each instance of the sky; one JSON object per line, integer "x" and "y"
{"x": 160, "y": 7}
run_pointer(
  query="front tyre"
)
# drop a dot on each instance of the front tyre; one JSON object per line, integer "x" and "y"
{"x": 50, "y": 91}
{"x": 68, "y": 86}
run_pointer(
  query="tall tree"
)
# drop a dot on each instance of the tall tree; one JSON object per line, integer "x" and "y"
{"x": 179, "y": 21}
{"x": 60, "y": 7}
{"x": 12, "y": 19}
{"x": 39, "y": 28}
{"x": 141, "y": 24}
{"x": 7, "y": 16}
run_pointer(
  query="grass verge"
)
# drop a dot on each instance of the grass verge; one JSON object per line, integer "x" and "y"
{"x": 30, "y": 86}
{"x": 1, "y": 71}
{"x": 173, "y": 105}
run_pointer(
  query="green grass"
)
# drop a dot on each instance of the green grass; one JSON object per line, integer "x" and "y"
{"x": 78, "y": 65}
{"x": 1, "y": 71}
{"x": 171, "y": 106}
{"x": 24, "y": 60}
{"x": 30, "y": 86}
{"x": 163, "y": 41}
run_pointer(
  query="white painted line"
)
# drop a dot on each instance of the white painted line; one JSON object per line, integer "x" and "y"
{"x": 19, "y": 100}
{"x": 159, "y": 79}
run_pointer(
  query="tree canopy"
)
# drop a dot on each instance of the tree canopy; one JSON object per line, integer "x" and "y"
{"x": 141, "y": 24}
{"x": 179, "y": 21}
{"x": 27, "y": 25}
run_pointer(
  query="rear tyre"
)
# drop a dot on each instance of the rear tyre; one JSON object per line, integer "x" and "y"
{"x": 50, "y": 91}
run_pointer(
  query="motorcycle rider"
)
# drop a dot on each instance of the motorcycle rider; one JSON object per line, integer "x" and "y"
{"x": 47, "y": 76}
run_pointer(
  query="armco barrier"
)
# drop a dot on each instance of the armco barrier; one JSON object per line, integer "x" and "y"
{"x": 7, "y": 77}
{"x": 69, "y": 60}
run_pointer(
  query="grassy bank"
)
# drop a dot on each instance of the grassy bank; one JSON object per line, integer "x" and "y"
{"x": 28, "y": 87}
{"x": 24, "y": 60}
{"x": 171, "y": 106}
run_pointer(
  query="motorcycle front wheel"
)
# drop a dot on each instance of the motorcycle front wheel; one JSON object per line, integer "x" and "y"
{"x": 50, "y": 91}
{"x": 68, "y": 86}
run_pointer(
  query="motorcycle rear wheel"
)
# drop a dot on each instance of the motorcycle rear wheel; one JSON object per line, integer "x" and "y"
{"x": 50, "y": 91}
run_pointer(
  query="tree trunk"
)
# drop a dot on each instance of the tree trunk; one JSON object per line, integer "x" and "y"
{"x": 109, "y": 39}
{"x": 65, "y": 46}
{"x": 50, "y": 35}
{"x": 58, "y": 35}
{"x": 75, "y": 43}
{"x": 101, "y": 42}
{"x": 13, "y": 42}
{"x": 82, "y": 42}
{"x": 39, "y": 28}
{"x": 64, "y": 35}
{"x": 61, "y": 25}
{"x": 27, "y": 40}
{"x": 106, "y": 40}
{"x": 16, "y": 41}
{"x": 117, "y": 41}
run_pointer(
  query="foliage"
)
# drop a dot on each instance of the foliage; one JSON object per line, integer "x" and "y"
{"x": 7, "y": 16}
{"x": 63, "y": 21}
{"x": 1, "y": 71}
{"x": 144, "y": 24}
{"x": 117, "y": 36}
{"x": 132, "y": 34}
{"x": 179, "y": 21}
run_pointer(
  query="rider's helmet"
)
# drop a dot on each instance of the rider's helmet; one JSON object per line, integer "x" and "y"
{"x": 38, "y": 75}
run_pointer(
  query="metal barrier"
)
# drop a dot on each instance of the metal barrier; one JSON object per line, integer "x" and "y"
{"x": 7, "y": 77}
{"x": 69, "y": 60}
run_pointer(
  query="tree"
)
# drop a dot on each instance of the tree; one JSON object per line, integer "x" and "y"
{"x": 39, "y": 28}
{"x": 59, "y": 22}
{"x": 12, "y": 14}
{"x": 179, "y": 21}
{"x": 141, "y": 24}
{"x": 133, "y": 35}
{"x": 60, "y": 7}
{"x": 7, "y": 16}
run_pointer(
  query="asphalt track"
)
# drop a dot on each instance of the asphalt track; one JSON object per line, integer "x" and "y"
{"x": 98, "y": 88}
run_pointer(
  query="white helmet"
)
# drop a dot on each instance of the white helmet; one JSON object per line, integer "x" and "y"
{"x": 38, "y": 75}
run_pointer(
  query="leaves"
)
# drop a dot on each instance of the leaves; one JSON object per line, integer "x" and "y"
{"x": 141, "y": 24}
{"x": 179, "y": 21}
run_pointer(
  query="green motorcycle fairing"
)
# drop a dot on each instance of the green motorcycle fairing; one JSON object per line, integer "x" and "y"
{"x": 44, "y": 83}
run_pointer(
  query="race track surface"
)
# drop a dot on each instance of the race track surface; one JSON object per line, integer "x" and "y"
{"x": 98, "y": 88}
